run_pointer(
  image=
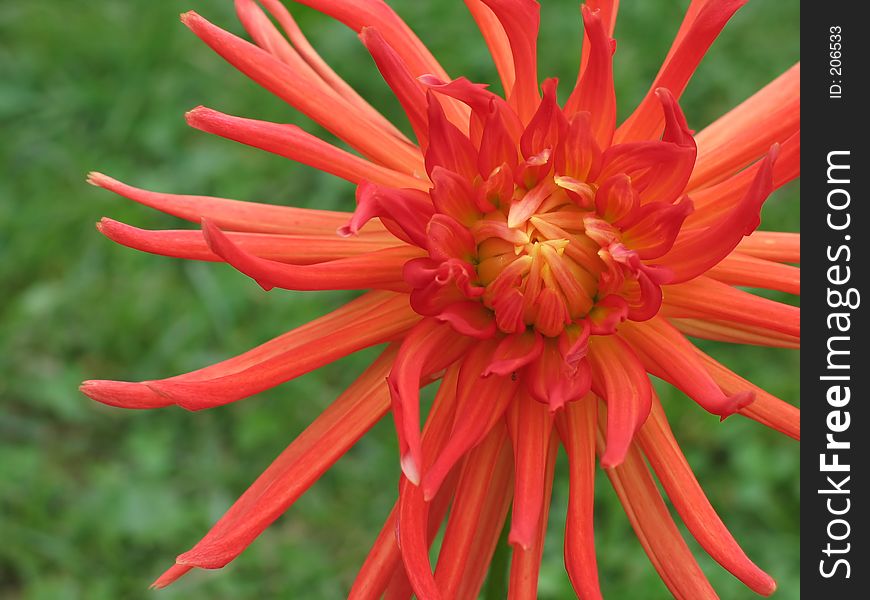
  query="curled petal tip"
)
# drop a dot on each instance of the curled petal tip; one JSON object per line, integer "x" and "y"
{"x": 736, "y": 403}
{"x": 123, "y": 394}
{"x": 170, "y": 576}
{"x": 411, "y": 468}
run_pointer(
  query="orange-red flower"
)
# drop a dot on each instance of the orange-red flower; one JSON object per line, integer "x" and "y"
{"x": 536, "y": 260}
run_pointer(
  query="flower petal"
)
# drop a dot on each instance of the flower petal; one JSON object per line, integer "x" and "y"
{"x": 673, "y": 471}
{"x": 618, "y": 377}
{"x": 297, "y": 468}
{"x": 327, "y": 109}
{"x": 668, "y": 355}
{"x": 372, "y": 319}
{"x": 577, "y": 425}
{"x": 292, "y": 142}
{"x": 530, "y": 424}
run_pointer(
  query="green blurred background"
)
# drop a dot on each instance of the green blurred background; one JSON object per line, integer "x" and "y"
{"x": 96, "y": 502}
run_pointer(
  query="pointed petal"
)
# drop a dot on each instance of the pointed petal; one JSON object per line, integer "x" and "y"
{"x": 327, "y": 109}
{"x": 428, "y": 348}
{"x": 706, "y": 298}
{"x": 377, "y": 270}
{"x": 297, "y": 468}
{"x": 659, "y": 536}
{"x": 696, "y": 251}
{"x": 292, "y": 249}
{"x": 770, "y": 116}
{"x": 619, "y": 379}
{"x": 702, "y": 25}
{"x": 486, "y": 468}
{"x": 767, "y": 408}
{"x": 668, "y": 355}
{"x": 526, "y": 562}
{"x": 577, "y": 426}
{"x": 530, "y": 424}
{"x": 372, "y": 319}
{"x": 496, "y": 40}
{"x": 482, "y": 401}
{"x": 673, "y": 471}
{"x": 234, "y": 215}
{"x": 594, "y": 92}
{"x": 292, "y": 142}
{"x": 520, "y": 20}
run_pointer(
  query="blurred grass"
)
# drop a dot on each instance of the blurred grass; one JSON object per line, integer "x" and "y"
{"x": 96, "y": 502}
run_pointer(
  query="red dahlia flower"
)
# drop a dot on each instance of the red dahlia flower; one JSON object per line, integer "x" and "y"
{"x": 535, "y": 260}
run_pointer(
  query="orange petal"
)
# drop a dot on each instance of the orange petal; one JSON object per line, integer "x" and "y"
{"x": 706, "y": 298}
{"x": 486, "y": 469}
{"x": 236, "y": 215}
{"x": 747, "y": 271}
{"x": 381, "y": 269}
{"x": 659, "y": 536}
{"x": 734, "y": 333}
{"x": 297, "y": 468}
{"x": 619, "y": 378}
{"x": 772, "y": 245}
{"x": 327, "y": 109}
{"x": 704, "y": 20}
{"x": 526, "y": 562}
{"x": 744, "y": 134}
{"x": 577, "y": 426}
{"x": 675, "y": 474}
{"x": 668, "y": 355}
{"x": 594, "y": 91}
{"x": 372, "y": 319}
{"x": 767, "y": 408}
{"x": 292, "y": 142}
{"x": 530, "y": 424}
{"x": 292, "y": 249}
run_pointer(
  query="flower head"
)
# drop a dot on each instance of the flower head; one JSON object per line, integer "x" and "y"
{"x": 535, "y": 260}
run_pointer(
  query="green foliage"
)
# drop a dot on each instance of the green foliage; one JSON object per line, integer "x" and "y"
{"x": 96, "y": 502}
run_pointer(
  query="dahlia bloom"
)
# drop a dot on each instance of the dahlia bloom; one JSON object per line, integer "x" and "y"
{"x": 535, "y": 261}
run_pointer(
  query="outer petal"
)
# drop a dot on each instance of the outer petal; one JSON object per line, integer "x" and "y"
{"x": 675, "y": 474}
{"x": 578, "y": 425}
{"x": 292, "y": 142}
{"x": 236, "y": 215}
{"x": 374, "y": 318}
{"x": 619, "y": 378}
{"x": 656, "y": 530}
{"x": 667, "y": 354}
{"x": 377, "y": 270}
{"x": 327, "y": 109}
{"x": 296, "y": 469}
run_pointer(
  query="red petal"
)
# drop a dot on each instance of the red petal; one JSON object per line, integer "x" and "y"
{"x": 696, "y": 251}
{"x": 482, "y": 402}
{"x": 372, "y": 319}
{"x": 454, "y": 196}
{"x": 426, "y": 349}
{"x": 297, "y": 468}
{"x": 293, "y": 249}
{"x": 235, "y": 215}
{"x": 327, "y": 109}
{"x": 530, "y": 425}
{"x": 668, "y": 355}
{"x": 448, "y": 146}
{"x": 448, "y": 238}
{"x": 292, "y": 142}
{"x": 469, "y": 318}
{"x": 619, "y": 378}
{"x": 656, "y": 530}
{"x": 515, "y": 352}
{"x": 486, "y": 471}
{"x": 520, "y": 20}
{"x": 675, "y": 474}
{"x": 526, "y": 561}
{"x": 707, "y": 298}
{"x": 767, "y": 408}
{"x": 702, "y": 25}
{"x": 577, "y": 426}
{"x": 404, "y": 212}
{"x": 405, "y": 86}
{"x": 377, "y": 270}
{"x": 548, "y": 126}
{"x": 594, "y": 91}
